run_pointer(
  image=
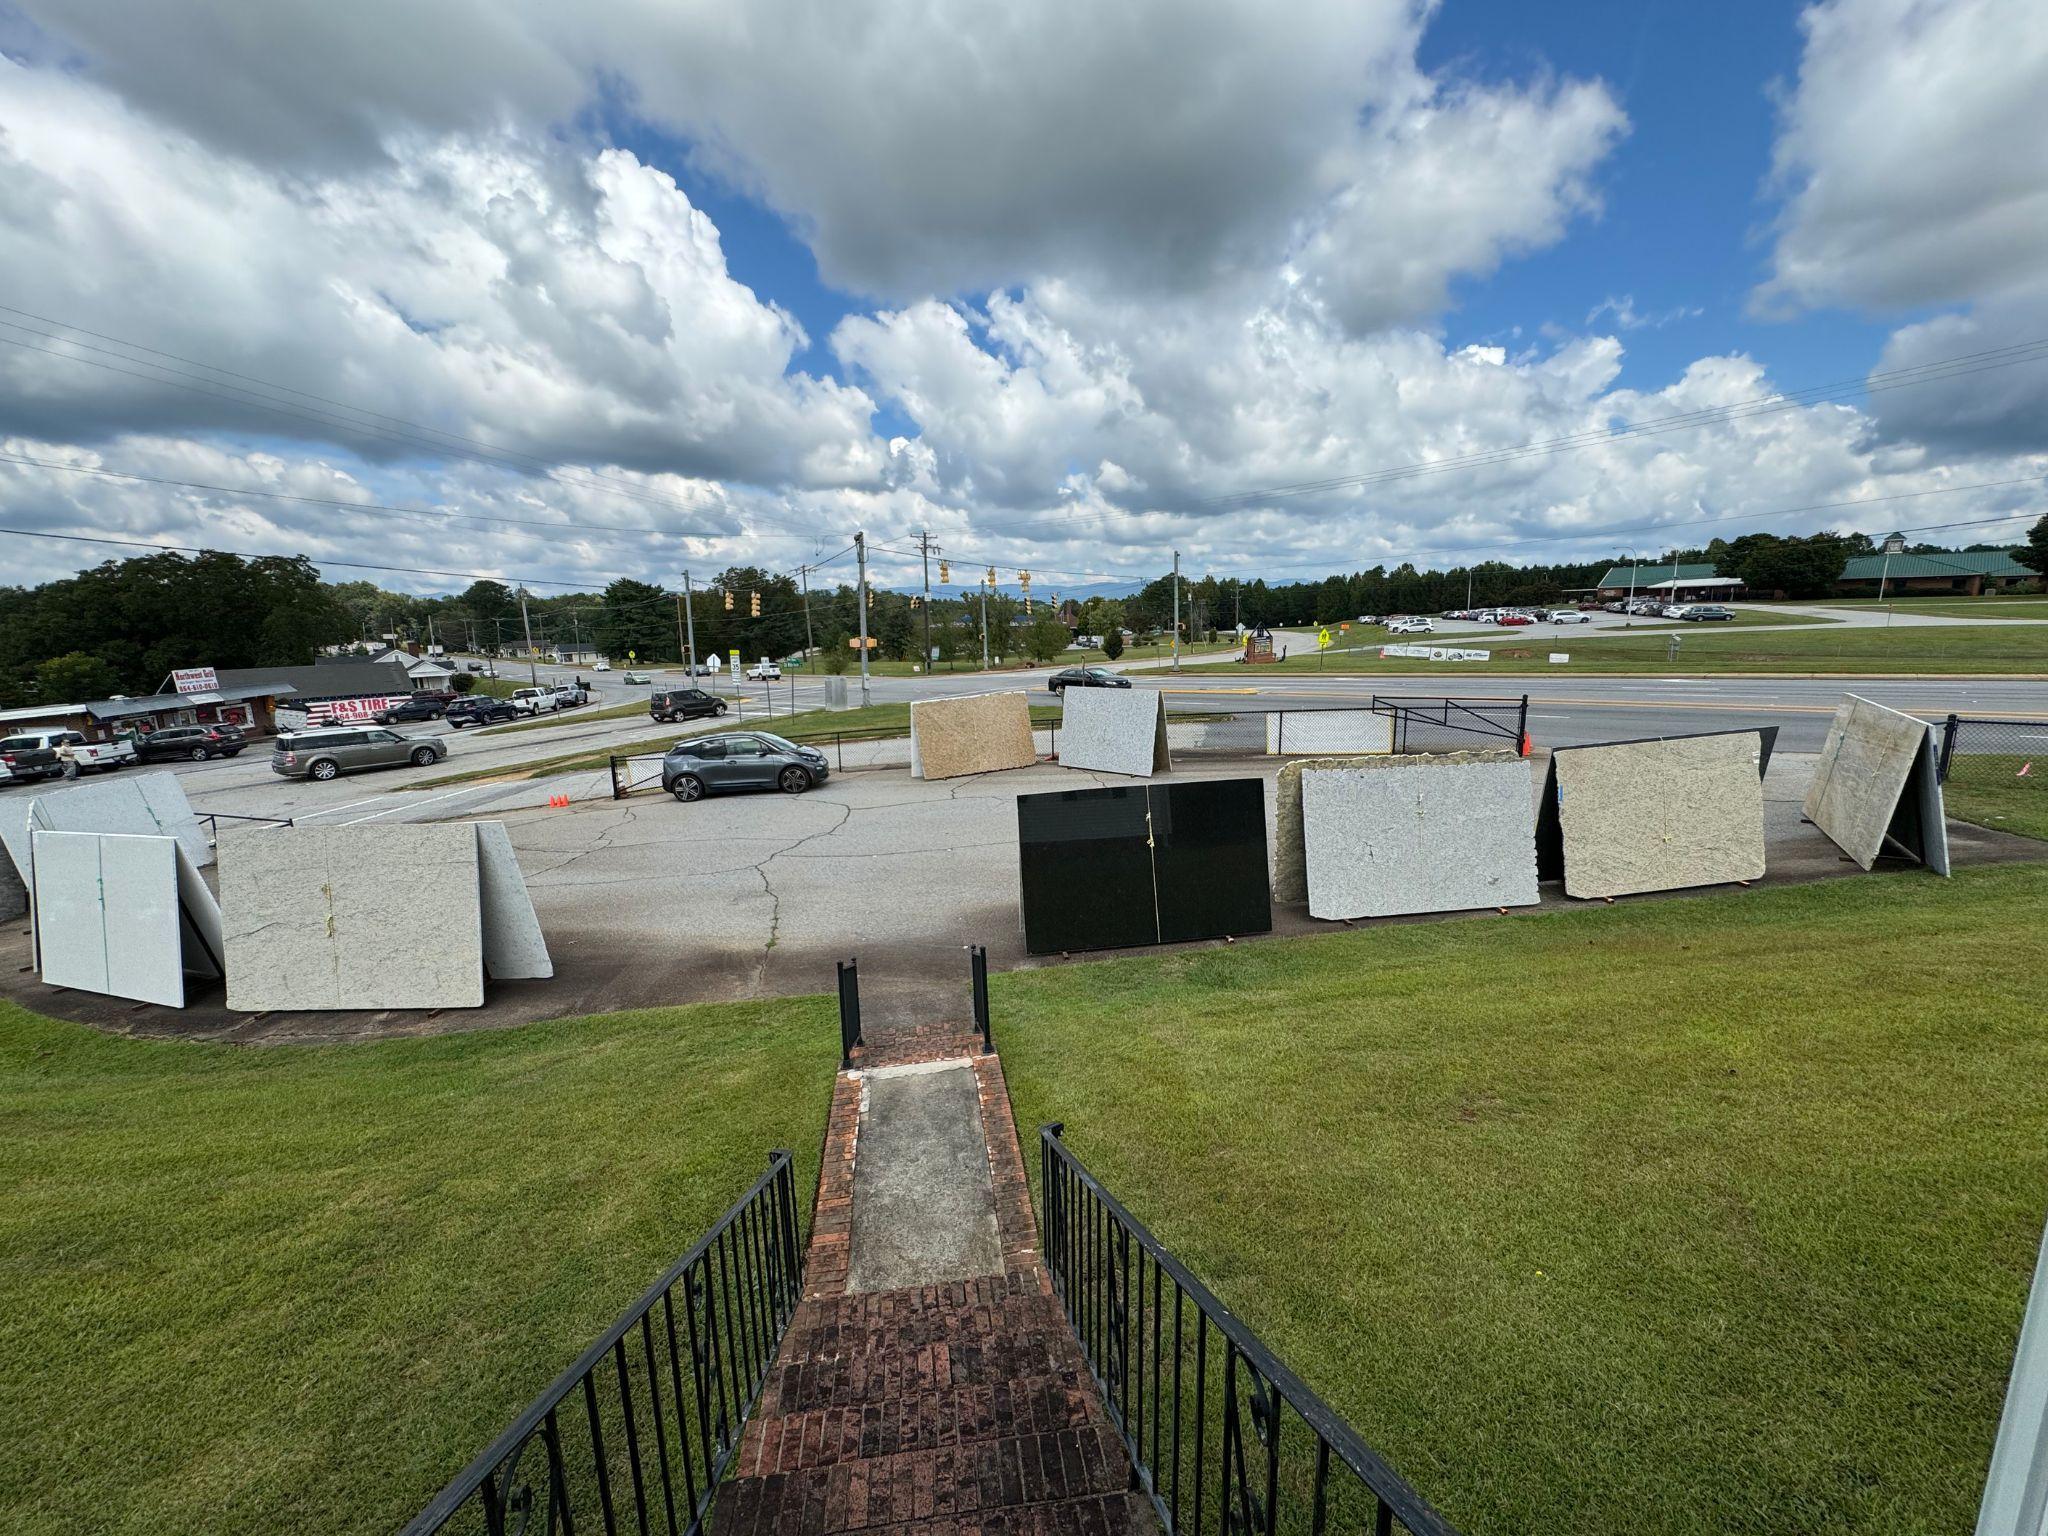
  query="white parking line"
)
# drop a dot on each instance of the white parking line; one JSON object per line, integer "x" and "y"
{"x": 330, "y": 810}
{"x": 409, "y": 804}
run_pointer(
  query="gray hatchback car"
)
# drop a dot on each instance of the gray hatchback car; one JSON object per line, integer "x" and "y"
{"x": 734, "y": 760}
{"x": 325, "y": 754}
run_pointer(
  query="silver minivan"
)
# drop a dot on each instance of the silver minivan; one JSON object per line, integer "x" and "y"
{"x": 325, "y": 754}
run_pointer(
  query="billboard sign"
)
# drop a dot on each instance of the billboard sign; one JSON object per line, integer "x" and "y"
{"x": 195, "y": 680}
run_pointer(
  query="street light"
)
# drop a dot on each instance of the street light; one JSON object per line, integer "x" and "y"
{"x": 1628, "y": 609}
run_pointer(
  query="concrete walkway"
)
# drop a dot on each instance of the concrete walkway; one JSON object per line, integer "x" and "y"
{"x": 929, "y": 1381}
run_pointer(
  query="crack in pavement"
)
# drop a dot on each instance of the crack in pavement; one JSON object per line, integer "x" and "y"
{"x": 775, "y": 897}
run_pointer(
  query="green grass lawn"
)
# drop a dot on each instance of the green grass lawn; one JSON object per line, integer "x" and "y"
{"x": 1824, "y": 648}
{"x": 258, "y": 1290}
{"x": 1705, "y": 1215}
{"x": 1987, "y": 789}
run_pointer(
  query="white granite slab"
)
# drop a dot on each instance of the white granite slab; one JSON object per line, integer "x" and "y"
{"x": 1313, "y": 732}
{"x": 107, "y": 915}
{"x": 1290, "y": 849}
{"x": 135, "y": 804}
{"x": 363, "y": 917}
{"x": 1924, "y": 785}
{"x": 514, "y": 947}
{"x": 1114, "y": 730}
{"x": 204, "y": 943}
{"x": 1862, "y": 776}
{"x": 1660, "y": 815}
{"x": 1419, "y": 834}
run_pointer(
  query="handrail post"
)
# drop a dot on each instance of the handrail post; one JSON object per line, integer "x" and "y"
{"x": 612, "y": 762}
{"x": 849, "y": 1012}
{"x": 1950, "y": 727}
{"x": 977, "y": 962}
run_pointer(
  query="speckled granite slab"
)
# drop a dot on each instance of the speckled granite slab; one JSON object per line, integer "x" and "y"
{"x": 1879, "y": 775}
{"x": 1114, "y": 730}
{"x": 1290, "y": 855}
{"x": 514, "y": 947}
{"x": 1395, "y": 835}
{"x": 975, "y": 733}
{"x": 1660, "y": 815}
{"x": 1323, "y": 731}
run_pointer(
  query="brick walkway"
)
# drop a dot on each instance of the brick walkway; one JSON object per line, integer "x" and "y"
{"x": 959, "y": 1407}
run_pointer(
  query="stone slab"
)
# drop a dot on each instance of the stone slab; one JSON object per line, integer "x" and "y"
{"x": 1660, "y": 815}
{"x": 1290, "y": 853}
{"x": 1114, "y": 730}
{"x": 514, "y": 947}
{"x": 135, "y": 804}
{"x": 974, "y": 733}
{"x": 13, "y": 889}
{"x": 1860, "y": 782}
{"x": 1326, "y": 731}
{"x": 1443, "y": 833}
{"x": 362, "y": 917}
{"x": 924, "y": 1207}
{"x": 108, "y": 915}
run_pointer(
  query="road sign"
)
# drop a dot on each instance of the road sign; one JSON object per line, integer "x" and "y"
{"x": 1322, "y": 639}
{"x": 715, "y": 662}
{"x": 632, "y": 655}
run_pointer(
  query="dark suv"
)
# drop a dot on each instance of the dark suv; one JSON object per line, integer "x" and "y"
{"x": 1085, "y": 677}
{"x": 479, "y": 709}
{"x": 683, "y": 704}
{"x": 418, "y": 707}
{"x": 197, "y": 742}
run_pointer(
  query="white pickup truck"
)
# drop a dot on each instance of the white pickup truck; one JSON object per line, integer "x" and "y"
{"x": 39, "y": 753}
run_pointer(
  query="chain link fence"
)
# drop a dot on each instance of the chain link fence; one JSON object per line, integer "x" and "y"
{"x": 1995, "y": 773}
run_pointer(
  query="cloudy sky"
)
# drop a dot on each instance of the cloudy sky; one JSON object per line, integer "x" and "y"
{"x": 565, "y": 293}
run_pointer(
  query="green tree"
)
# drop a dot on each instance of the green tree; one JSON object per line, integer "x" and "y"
{"x": 1046, "y": 637}
{"x": 1797, "y": 567}
{"x": 636, "y": 617}
{"x": 1113, "y": 643}
{"x": 74, "y": 678}
{"x": 486, "y": 603}
{"x": 2034, "y": 553}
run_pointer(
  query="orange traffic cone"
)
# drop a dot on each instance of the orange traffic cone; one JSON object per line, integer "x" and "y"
{"x": 1525, "y": 743}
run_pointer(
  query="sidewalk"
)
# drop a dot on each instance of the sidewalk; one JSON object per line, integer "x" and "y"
{"x": 929, "y": 1381}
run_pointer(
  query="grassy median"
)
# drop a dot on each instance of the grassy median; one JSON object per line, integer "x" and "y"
{"x": 2005, "y": 791}
{"x": 255, "y": 1290}
{"x": 1675, "y": 1216}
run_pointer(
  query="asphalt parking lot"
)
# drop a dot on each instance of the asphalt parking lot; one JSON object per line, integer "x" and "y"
{"x": 647, "y": 902}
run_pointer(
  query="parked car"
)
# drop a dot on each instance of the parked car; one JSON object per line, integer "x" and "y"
{"x": 478, "y": 709}
{"x": 571, "y": 697}
{"x": 74, "y": 754}
{"x": 1411, "y": 626}
{"x": 1569, "y": 616}
{"x": 473, "y": 666}
{"x": 417, "y": 707}
{"x": 326, "y": 754}
{"x": 601, "y": 665}
{"x": 195, "y": 742}
{"x": 636, "y": 677}
{"x": 29, "y": 757}
{"x": 735, "y": 760}
{"x": 764, "y": 671}
{"x": 1085, "y": 677}
{"x": 1514, "y": 620}
{"x": 671, "y": 704}
{"x": 1709, "y": 613}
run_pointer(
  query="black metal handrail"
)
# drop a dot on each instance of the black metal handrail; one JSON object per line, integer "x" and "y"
{"x": 215, "y": 818}
{"x": 707, "y": 1331}
{"x": 1217, "y": 1454}
{"x": 1501, "y": 716}
{"x": 849, "y": 1012}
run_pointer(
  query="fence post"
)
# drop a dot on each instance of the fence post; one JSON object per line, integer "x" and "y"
{"x": 612, "y": 762}
{"x": 849, "y": 1012}
{"x": 1522, "y": 731}
{"x": 1949, "y": 729}
{"x": 977, "y": 963}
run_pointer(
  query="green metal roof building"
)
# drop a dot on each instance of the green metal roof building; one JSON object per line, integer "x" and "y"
{"x": 1945, "y": 571}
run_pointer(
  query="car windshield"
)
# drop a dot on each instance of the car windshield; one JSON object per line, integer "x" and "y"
{"x": 778, "y": 743}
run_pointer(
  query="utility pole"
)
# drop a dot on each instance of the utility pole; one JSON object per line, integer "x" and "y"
{"x": 689, "y": 637}
{"x": 1176, "y": 610}
{"x": 532, "y": 671}
{"x": 860, "y": 555}
{"x": 1468, "y": 586}
{"x": 804, "y": 572}
{"x": 927, "y": 549}
{"x": 984, "y": 622}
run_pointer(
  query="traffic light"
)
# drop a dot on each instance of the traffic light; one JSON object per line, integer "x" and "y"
{"x": 945, "y": 572}
{"x": 991, "y": 578}
{"x": 754, "y": 604}
{"x": 1024, "y": 580}
{"x": 728, "y": 602}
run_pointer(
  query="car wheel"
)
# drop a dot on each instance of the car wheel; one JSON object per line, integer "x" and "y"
{"x": 687, "y": 788}
{"x": 421, "y": 756}
{"x": 323, "y": 770}
{"x": 719, "y": 710}
{"x": 198, "y": 754}
{"x": 793, "y": 781}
